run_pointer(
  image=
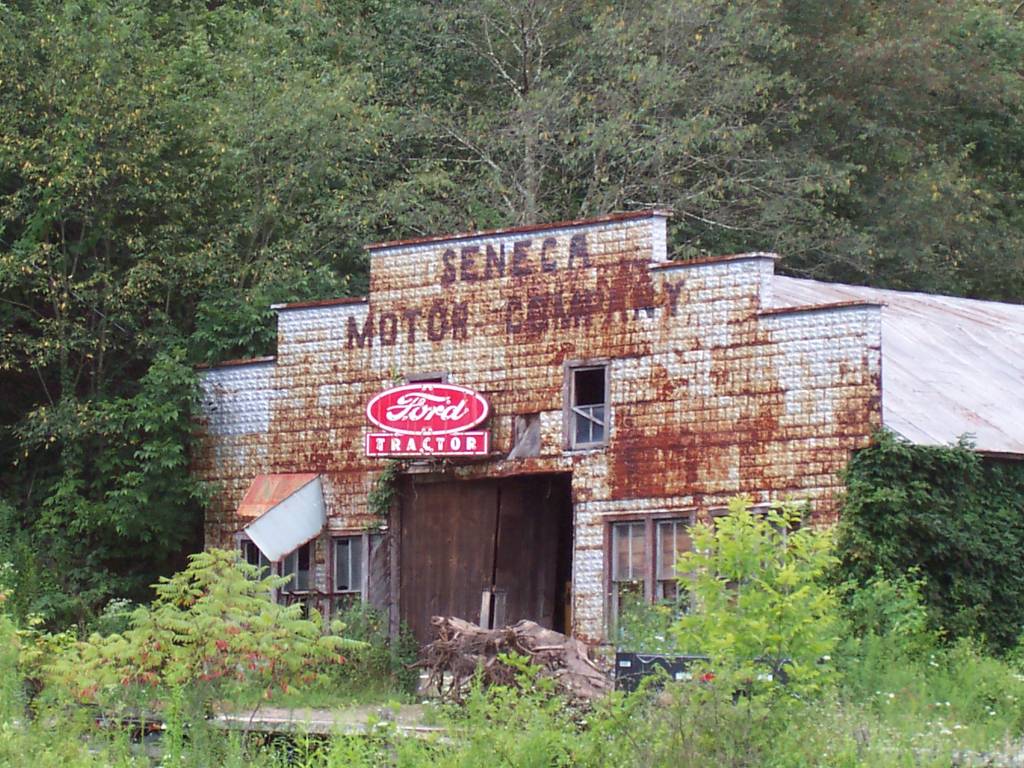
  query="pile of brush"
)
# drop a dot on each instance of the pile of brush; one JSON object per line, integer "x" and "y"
{"x": 462, "y": 649}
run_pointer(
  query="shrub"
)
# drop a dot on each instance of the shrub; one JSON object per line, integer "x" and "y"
{"x": 956, "y": 516}
{"x": 211, "y": 628}
{"x": 646, "y": 628}
{"x": 759, "y": 594}
{"x": 384, "y": 660}
{"x": 890, "y": 610}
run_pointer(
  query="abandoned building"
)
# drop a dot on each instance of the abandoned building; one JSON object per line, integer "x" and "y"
{"x": 524, "y": 423}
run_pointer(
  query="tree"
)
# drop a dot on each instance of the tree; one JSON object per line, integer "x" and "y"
{"x": 758, "y": 593}
{"x": 925, "y": 105}
{"x": 165, "y": 174}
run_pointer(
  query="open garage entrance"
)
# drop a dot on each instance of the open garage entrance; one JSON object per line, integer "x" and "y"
{"x": 490, "y": 551}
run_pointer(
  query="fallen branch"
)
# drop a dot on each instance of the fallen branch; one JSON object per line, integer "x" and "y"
{"x": 463, "y": 650}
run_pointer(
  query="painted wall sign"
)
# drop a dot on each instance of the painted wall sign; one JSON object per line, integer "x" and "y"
{"x": 427, "y": 420}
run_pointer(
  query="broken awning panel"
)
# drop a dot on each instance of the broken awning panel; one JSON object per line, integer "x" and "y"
{"x": 286, "y": 511}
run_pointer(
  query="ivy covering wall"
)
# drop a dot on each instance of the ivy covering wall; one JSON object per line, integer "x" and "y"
{"x": 951, "y": 513}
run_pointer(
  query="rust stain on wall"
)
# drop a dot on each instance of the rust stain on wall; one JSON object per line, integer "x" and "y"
{"x": 710, "y": 395}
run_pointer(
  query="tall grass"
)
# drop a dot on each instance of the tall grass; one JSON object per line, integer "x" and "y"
{"x": 888, "y": 709}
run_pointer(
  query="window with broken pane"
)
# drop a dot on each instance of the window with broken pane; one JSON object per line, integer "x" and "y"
{"x": 588, "y": 422}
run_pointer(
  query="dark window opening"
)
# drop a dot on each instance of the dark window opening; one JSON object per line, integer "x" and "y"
{"x": 252, "y": 555}
{"x": 589, "y": 384}
{"x": 589, "y": 406}
{"x": 436, "y": 377}
{"x": 296, "y": 565}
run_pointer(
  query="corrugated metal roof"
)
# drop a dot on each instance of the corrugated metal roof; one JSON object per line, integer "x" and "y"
{"x": 950, "y": 366}
{"x": 268, "y": 491}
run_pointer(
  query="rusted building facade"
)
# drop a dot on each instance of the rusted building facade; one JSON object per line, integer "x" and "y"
{"x": 628, "y": 395}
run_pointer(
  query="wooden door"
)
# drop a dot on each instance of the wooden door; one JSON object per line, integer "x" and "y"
{"x": 527, "y": 559}
{"x": 446, "y": 556}
{"x": 461, "y": 542}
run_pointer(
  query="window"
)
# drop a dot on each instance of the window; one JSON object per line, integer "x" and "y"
{"x": 643, "y": 555}
{"x": 348, "y": 564}
{"x": 434, "y": 377}
{"x": 252, "y": 555}
{"x": 629, "y": 565}
{"x": 672, "y": 539}
{"x": 296, "y": 565}
{"x": 587, "y": 423}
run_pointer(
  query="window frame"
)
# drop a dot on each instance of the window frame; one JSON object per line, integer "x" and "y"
{"x": 288, "y": 589}
{"x": 651, "y": 521}
{"x": 363, "y": 540}
{"x": 569, "y": 412}
{"x": 244, "y": 543}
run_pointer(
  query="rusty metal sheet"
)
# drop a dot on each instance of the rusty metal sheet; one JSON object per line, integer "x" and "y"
{"x": 950, "y": 366}
{"x": 291, "y": 520}
{"x": 268, "y": 491}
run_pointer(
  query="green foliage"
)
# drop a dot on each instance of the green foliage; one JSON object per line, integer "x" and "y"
{"x": 758, "y": 593}
{"x": 888, "y": 710}
{"x": 925, "y": 115}
{"x": 956, "y": 695}
{"x": 384, "y": 661}
{"x": 165, "y": 174}
{"x": 949, "y": 513}
{"x": 385, "y": 490}
{"x": 646, "y": 628}
{"x": 121, "y": 488}
{"x": 212, "y": 628}
{"x": 892, "y": 609}
{"x": 540, "y": 731}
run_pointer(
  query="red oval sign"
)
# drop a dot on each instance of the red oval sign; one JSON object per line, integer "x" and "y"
{"x": 437, "y": 409}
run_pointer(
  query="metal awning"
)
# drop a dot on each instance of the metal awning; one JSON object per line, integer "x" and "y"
{"x": 286, "y": 511}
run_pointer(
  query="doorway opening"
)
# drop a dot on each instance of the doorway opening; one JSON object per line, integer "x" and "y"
{"x": 489, "y": 551}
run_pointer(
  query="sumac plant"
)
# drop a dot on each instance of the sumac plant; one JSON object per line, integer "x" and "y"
{"x": 211, "y": 629}
{"x": 759, "y": 597}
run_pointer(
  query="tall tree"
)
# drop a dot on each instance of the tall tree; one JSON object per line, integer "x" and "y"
{"x": 925, "y": 103}
{"x": 165, "y": 173}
